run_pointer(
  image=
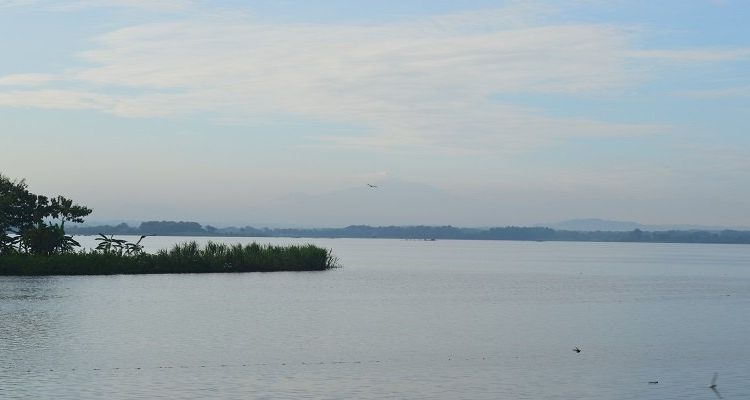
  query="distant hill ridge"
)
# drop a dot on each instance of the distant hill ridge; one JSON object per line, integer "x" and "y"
{"x": 598, "y": 224}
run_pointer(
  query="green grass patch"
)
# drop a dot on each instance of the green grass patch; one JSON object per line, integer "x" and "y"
{"x": 182, "y": 258}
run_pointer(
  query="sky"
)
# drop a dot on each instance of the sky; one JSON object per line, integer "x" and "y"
{"x": 487, "y": 112}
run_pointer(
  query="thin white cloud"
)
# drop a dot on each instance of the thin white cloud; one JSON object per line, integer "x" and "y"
{"x": 16, "y": 3}
{"x": 72, "y": 5}
{"x": 694, "y": 55}
{"x": 735, "y": 91}
{"x": 26, "y": 79}
{"x": 56, "y": 99}
{"x": 156, "y": 5}
{"x": 428, "y": 82}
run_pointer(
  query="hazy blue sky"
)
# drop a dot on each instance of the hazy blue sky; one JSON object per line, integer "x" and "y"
{"x": 524, "y": 111}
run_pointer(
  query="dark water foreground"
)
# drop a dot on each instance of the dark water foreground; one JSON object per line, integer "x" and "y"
{"x": 180, "y": 258}
{"x": 403, "y": 319}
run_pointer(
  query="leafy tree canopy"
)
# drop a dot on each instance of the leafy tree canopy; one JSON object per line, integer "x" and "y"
{"x": 35, "y": 224}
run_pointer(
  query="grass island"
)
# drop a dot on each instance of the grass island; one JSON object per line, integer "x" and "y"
{"x": 33, "y": 242}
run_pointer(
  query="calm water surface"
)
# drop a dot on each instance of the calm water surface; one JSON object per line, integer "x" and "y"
{"x": 402, "y": 319}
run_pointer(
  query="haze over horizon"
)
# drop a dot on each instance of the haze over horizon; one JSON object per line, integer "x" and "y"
{"x": 493, "y": 113}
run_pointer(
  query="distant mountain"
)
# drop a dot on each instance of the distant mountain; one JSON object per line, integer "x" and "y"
{"x": 597, "y": 224}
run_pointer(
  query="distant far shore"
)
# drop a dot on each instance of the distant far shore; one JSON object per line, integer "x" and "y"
{"x": 182, "y": 228}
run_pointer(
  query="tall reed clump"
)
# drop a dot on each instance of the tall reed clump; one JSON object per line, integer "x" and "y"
{"x": 218, "y": 257}
{"x": 182, "y": 258}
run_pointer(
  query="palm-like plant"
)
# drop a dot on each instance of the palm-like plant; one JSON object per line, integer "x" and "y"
{"x": 134, "y": 248}
{"x": 120, "y": 247}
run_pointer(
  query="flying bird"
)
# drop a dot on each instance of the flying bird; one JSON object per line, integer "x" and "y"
{"x": 372, "y": 186}
{"x": 713, "y": 386}
{"x": 653, "y": 382}
{"x": 576, "y": 349}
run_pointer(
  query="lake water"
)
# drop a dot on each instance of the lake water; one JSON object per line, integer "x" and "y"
{"x": 401, "y": 319}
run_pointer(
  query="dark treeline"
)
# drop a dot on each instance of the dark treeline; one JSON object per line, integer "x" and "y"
{"x": 423, "y": 232}
{"x": 168, "y": 228}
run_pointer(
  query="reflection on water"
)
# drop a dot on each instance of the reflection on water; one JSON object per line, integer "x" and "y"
{"x": 404, "y": 319}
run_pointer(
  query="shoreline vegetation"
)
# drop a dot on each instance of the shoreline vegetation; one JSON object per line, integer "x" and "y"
{"x": 182, "y": 258}
{"x": 182, "y": 228}
{"x": 34, "y": 241}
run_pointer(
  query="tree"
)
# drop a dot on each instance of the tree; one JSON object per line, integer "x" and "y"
{"x": 33, "y": 223}
{"x": 13, "y": 196}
